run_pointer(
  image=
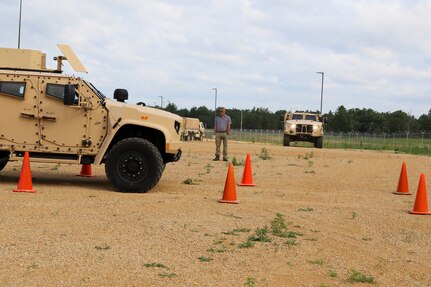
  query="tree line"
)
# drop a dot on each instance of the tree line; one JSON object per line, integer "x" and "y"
{"x": 341, "y": 120}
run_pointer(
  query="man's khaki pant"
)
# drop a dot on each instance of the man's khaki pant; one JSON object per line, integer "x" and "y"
{"x": 218, "y": 139}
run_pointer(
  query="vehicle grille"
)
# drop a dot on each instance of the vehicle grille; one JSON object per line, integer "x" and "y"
{"x": 304, "y": 129}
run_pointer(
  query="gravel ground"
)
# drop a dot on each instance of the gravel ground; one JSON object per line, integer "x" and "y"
{"x": 314, "y": 218}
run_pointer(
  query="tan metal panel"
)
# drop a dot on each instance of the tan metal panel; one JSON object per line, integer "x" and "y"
{"x": 72, "y": 58}
{"x": 21, "y": 59}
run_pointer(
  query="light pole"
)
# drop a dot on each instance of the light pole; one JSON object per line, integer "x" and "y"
{"x": 19, "y": 26}
{"x": 215, "y": 106}
{"x": 321, "y": 91}
{"x": 161, "y": 101}
{"x": 241, "y": 121}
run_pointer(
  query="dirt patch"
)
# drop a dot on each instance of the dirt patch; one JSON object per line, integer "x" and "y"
{"x": 315, "y": 218}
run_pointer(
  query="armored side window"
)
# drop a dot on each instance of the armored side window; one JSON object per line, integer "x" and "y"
{"x": 16, "y": 89}
{"x": 55, "y": 90}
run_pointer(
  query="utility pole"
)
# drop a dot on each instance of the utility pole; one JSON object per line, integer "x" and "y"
{"x": 161, "y": 101}
{"x": 215, "y": 106}
{"x": 321, "y": 92}
{"x": 19, "y": 25}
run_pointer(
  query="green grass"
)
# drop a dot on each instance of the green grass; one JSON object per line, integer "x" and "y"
{"x": 357, "y": 276}
{"x": 402, "y": 145}
{"x": 260, "y": 235}
{"x": 319, "y": 262}
{"x": 291, "y": 242}
{"x": 250, "y": 282}
{"x": 205, "y": 259}
{"x": 264, "y": 154}
{"x": 236, "y": 231}
{"x": 102, "y": 247}
{"x": 189, "y": 181}
{"x": 155, "y": 265}
{"x": 236, "y": 162}
{"x": 306, "y": 209}
{"x": 167, "y": 275}
{"x": 246, "y": 244}
{"x": 412, "y": 145}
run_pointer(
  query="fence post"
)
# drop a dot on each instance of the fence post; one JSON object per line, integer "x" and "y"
{"x": 407, "y": 137}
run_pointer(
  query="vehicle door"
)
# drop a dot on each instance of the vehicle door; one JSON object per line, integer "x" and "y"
{"x": 19, "y": 122}
{"x": 76, "y": 128}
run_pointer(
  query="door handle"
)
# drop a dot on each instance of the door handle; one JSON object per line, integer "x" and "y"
{"x": 27, "y": 115}
{"x": 49, "y": 118}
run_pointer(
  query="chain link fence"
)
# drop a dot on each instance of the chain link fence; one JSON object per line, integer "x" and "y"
{"x": 406, "y": 142}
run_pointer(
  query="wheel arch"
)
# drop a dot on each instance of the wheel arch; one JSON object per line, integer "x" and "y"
{"x": 156, "y": 137}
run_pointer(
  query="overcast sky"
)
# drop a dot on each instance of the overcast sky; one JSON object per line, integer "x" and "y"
{"x": 375, "y": 54}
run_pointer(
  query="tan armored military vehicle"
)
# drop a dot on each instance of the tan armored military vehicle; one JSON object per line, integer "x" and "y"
{"x": 193, "y": 129}
{"x": 64, "y": 119}
{"x": 300, "y": 126}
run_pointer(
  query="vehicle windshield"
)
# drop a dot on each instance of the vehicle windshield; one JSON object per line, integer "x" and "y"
{"x": 297, "y": 117}
{"x": 310, "y": 117}
{"x": 99, "y": 94}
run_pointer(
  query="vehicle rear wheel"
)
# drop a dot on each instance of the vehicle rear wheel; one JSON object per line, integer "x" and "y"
{"x": 4, "y": 158}
{"x": 318, "y": 142}
{"x": 286, "y": 140}
{"x": 134, "y": 165}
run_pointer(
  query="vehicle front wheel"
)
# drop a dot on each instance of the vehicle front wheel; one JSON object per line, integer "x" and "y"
{"x": 318, "y": 142}
{"x": 134, "y": 165}
{"x": 286, "y": 140}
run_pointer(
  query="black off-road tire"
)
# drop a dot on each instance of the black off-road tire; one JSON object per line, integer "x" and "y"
{"x": 318, "y": 142}
{"x": 4, "y": 159}
{"x": 3, "y": 164}
{"x": 134, "y": 165}
{"x": 286, "y": 140}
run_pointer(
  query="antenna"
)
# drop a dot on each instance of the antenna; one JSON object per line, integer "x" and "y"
{"x": 19, "y": 27}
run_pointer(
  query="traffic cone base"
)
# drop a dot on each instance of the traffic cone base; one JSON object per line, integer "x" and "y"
{"x": 247, "y": 177}
{"x": 245, "y": 184}
{"x": 24, "y": 190}
{"x": 420, "y": 213}
{"x": 421, "y": 201}
{"x": 402, "y": 193}
{"x": 25, "y": 182}
{"x": 403, "y": 183}
{"x": 228, "y": 201}
{"x": 85, "y": 171}
{"x": 229, "y": 194}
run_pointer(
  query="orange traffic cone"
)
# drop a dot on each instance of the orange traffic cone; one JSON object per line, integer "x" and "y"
{"x": 86, "y": 170}
{"x": 421, "y": 202}
{"x": 229, "y": 194}
{"x": 25, "y": 183}
{"x": 247, "y": 177}
{"x": 403, "y": 183}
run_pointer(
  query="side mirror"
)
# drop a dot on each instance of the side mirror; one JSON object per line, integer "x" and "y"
{"x": 325, "y": 120}
{"x": 281, "y": 118}
{"x": 69, "y": 95}
{"x": 121, "y": 95}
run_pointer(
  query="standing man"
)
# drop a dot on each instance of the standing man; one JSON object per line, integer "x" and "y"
{"x": 222, "y": 128}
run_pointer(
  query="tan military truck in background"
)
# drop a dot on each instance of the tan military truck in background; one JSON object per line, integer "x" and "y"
{"x": 301, "y": 126}
{"x": 193, "y": 129}
{"x": 64, "y": 119}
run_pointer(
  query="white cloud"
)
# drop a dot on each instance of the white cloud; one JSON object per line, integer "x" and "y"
{"x": 375, "y": 54}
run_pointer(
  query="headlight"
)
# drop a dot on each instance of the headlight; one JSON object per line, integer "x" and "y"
{"x": 315, "y": 127}
{"x": 292, "y": 126}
